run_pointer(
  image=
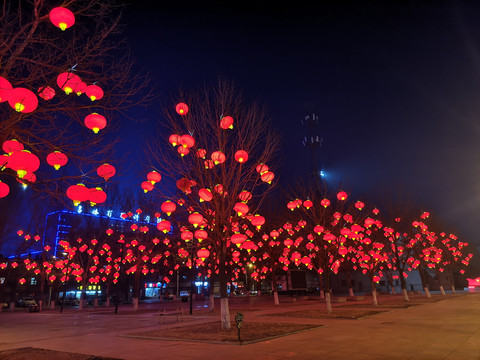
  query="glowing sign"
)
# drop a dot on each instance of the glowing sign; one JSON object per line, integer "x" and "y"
{"x": 473, "y": 283}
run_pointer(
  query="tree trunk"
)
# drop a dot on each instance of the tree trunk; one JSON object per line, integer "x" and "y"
{"x": 135, "y": 303}
{"x": 275, "y": 298}
{"x": 224, "y": 311}
{"x": 328, "y": 302}
{"x": 427, "y": 292}
{"x": 453, "y": 289}
{"x": 374, "y": 295}
{"x": 350, "y": 291}
{"x": 349, "y": 282}
{"x": 211, "y": 303}
{"x": 442, "y": 290}
{"x": 405, "y": 295}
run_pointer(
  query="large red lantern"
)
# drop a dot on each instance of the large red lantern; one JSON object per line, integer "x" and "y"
{"x": 147, "y": 186}
{"x": 257, "y": 221}
{"x": 80, "y": 88}
{"x": 181, "y": 109}
{"x": 69, "y": 82}
{"x": 226, "y": 122}
{"x": 248, "y": 245}
{"x": 241, "y": 156}
{"x": 46, "y": 92}
{"x": 186, "y": 236}
{"x": 342, "y": 195}
{"x": 218, "y": 157}
{"x": 57, "y": 159}
{"x": 154, "y": 177}
{"x": 201, "y": 235}
{"x": 183, "y": 151}
{"x": 205, "y": 195}
{"x": 168, "y": 207}
{"x": 187, "y": 141}
{"x": 184, "y": 184}
{"x": 5, "y": 88}
{"x": 174, "y": 139}
{"x": 164, "y": 226}
{"x": 23, "y": 100}
{"x": 267, "y": 177}
{"x": 78, "y": 193}
{"x": 11, "y": 146}
{"x": 203, "y": 253}
{"x": 195, "y": 219}
{"x": 96, "y": 196}
{"x": 238, "y": 238}
{"x": 4, "y": 189}
{"x": 106, "y": 171}
{"x": 325, "y": 202}
{"x": 241, "y": 208}
{"x": 94, "y": 92}
{"x": 95, "y": 122}
{"x": 22, "y": 162}
{"x": 62, "y": 18}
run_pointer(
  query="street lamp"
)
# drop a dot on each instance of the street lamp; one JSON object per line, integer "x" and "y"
{"x": 313, "y": 142}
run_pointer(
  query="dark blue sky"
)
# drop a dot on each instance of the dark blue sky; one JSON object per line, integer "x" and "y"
{"x": 395, "y": 84}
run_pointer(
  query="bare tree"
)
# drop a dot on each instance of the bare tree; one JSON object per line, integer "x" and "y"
{"x": 223, "y": 180}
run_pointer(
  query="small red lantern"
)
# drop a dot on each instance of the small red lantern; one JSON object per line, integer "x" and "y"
{"x": 23, "y": 100}
{"x": 97, "y": 196}
{"x": 262, "y": 168}
{"x": 154, "y": 177}
{"x": 106, "y": 171}
{"x": 22, "y": 162}
{"x": 57, "y": 159}
{"x": 203, "y": 253}
{"x": 62, "y": 18}
{"x": 181, "y": 109}
{"x": 342, "y": 195}
{"x": 164, "y": 226}
{"x": 147, "y": 186}
{"x": 241, "y": 156}
{"x": 184, "y": 184}
{"x": 95, "y": 122}
{"x": 325, "y": 202}
{"x": 205, "y": 195}
{"x": 5, "y": 88}
{"x": 186, "y": 236}
{"x": 308, "y": 204}
{"x": 94, "y": 92}
{"x": 218, "y": 157}
{"x": 195, "y": 219}
{"x": 209, "y": 164}
{"x": 226, "y": 122}
{"x": 187, "y": 141}
{"x": 78, "y": 193}
{"x": 201, "y": 235}
{"x": 245, "y": 196}
{"x": 11, "y": 146}
{"x": 46, "y": 92}
{"x": 238, "y": 238}
{"x": 183, "y": 151}
{"x": 69, "y": 82}
{"x": 4, "y": 189}
{"x": 168, "y": 207}
{"x": 201, "y": 153}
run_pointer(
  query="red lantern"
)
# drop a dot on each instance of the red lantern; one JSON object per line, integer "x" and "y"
{"x": 22, "y": 162}
{"x": 29, "y": 177}
{"x": 46, "y": 92}
{"x": 325, "y": 202}
{"x": 359, "y": 205}
{"x": 238, "y": 238}
{"x": 245, "y": 196}
{"x": 94, "y": 92}
{"x": 186, "y": 236}
{"x": 96, "y": 196}
{"x": 5, "y": 88}
{"x": 248, "y": 245}
{"x": 147, "y": 186}
{"x": 288, "y": 242}
{"x": 201, "y": 153}
{"x": 174, "y": 139}
{"x": 203, "y": 253}
{"x": 164, "y": 226}
{"x": 183, "y": 151}
{"x": 23, "y": 100}
{"x": 4, "y": 189}
{"x": 154, "y": 177}
{"x": 262, "y": 168}
{"x": 257, "y": 221}
{"x": 205, "y": 195}
{"x": 195, "y": 219}
{"x": 184, "y": 184}
{"x": 241, "y": 208}
{"x": 69, "y": 82}
{"x": 57, "y": 159}
{"x": 308, "y": 204}
{"x": 106, "y": 171}
{"x": 342, "y": 195}
{"x": 226, "y": 122}
{"x": 80, "y": 88}
{"x": 95, "y": 122}
{"x": 218, "y": 157}
{"x": 78, "y": 193}
{"x": 187, "y": 141}
{"x": 201, "y": 235}
{"x": 181, "y": 109}
{"x": 62, "y": 18}
{"x": 209, "y": 164}
{"x": 11, "y": 146}
{"x": 168, "y": 207}
{"x": 241, "y": 156}
{"x": 267, "y": 177}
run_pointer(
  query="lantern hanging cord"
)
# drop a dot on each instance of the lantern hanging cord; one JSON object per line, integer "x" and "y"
{"x": 73, "y": 68}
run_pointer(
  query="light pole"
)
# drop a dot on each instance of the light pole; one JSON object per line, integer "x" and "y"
{"x": 313, "y": 141}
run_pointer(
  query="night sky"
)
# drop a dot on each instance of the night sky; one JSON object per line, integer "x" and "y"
{"x": 396, "y": 86}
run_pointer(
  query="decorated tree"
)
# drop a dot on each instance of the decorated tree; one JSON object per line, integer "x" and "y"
{"x": 221, "y": 148}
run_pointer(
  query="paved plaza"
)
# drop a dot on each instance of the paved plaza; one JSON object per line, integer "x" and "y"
{"x": 447, "y": 329}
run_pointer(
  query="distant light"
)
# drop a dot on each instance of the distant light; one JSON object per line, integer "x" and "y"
{"x": 322, "y": 173}
{"x": 95, "y": 212}
{"x": 79, "y": 209}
